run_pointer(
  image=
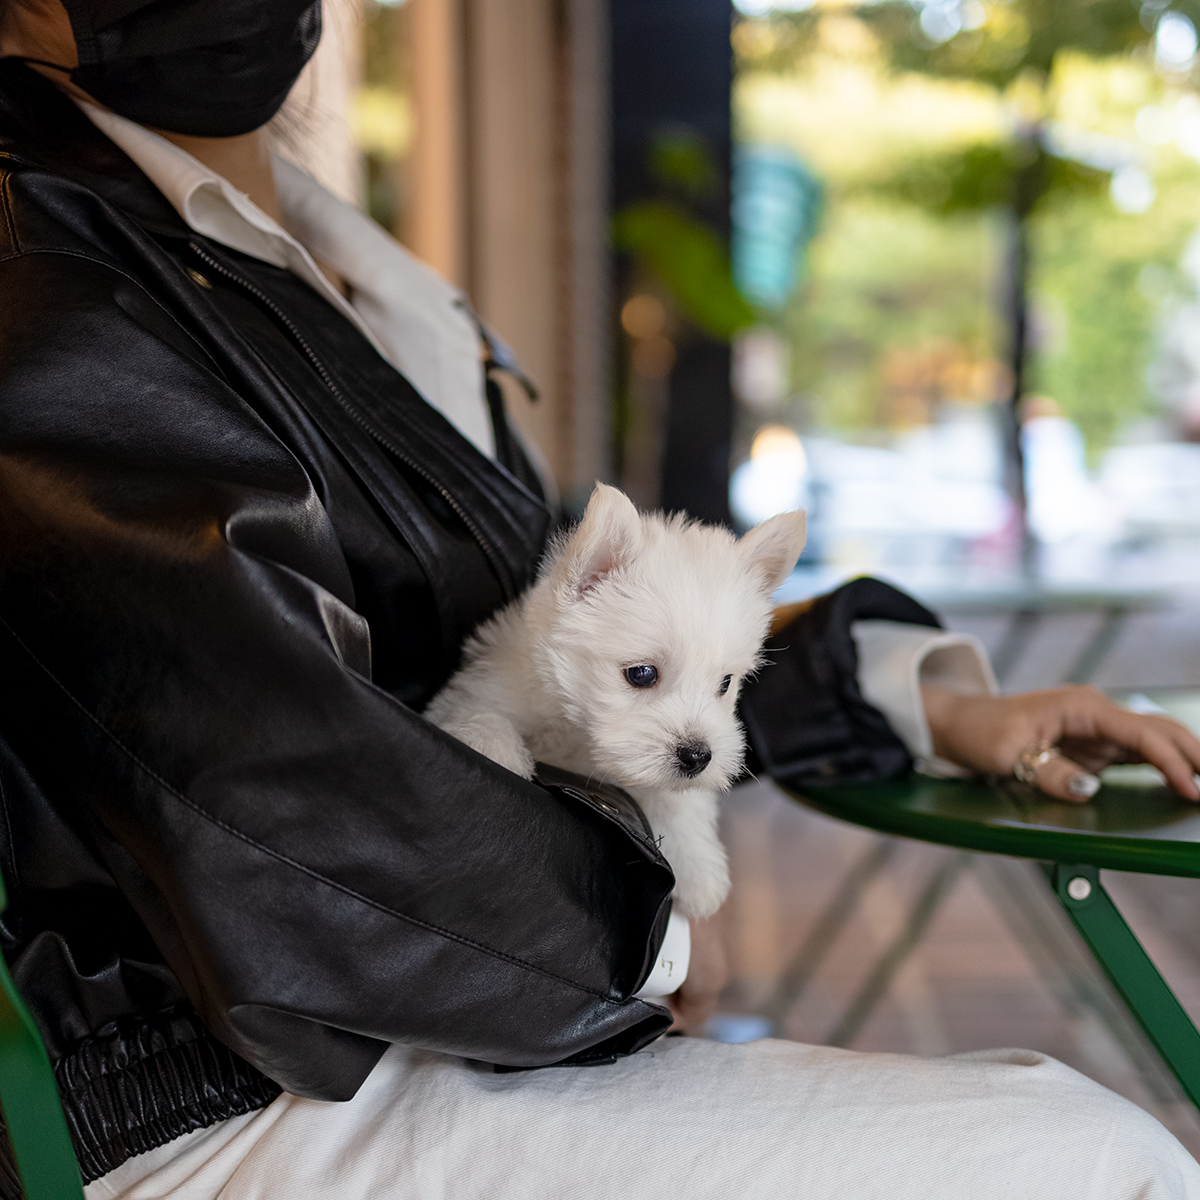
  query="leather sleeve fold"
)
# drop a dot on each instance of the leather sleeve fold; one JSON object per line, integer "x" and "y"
{"x": 807, "y": 723}
{"x": 322, "y": 870}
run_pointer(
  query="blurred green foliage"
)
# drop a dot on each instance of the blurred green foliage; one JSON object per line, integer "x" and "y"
{"x": 915, "y": 242}
{"x": 890, "y": 275}
{"x": 1101, "y": 282}
{"x": 984, "y": 176}
{"x": 670, "y": 237}
{"x": 381, "y": 77}
{"x": 679, "y": 160}
{"x": 379, "y": 61}
{"x": 885, "y": 276}
{"x": 689, "y": 260}
{"x": 1014, "y": 37}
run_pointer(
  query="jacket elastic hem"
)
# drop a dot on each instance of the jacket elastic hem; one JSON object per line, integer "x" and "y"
{"x": 141, "y": 1086}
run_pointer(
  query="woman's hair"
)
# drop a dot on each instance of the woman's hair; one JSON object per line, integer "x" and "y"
{"x": 296, "y": 124}
{"x": 311, "y": 129}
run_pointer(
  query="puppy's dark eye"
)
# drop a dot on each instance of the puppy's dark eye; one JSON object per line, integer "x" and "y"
{"x": 642, "y": 677}
{"x": 725, "y": 685}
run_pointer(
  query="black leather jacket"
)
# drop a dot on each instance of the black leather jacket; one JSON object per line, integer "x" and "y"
{"x": 238, "y": 554}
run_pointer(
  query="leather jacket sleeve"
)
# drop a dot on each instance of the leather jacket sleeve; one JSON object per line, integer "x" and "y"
{"x": 807, "y": 724}
{"x": 184, "y": 672}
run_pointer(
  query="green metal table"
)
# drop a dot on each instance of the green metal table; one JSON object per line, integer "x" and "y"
{"x": 1128, "y": 826}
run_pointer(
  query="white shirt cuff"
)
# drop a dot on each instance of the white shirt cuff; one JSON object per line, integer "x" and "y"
{"x": 673, "y": 957}
{"x": 894, "y": 659}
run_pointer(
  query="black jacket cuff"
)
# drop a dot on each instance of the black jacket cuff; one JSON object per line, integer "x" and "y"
{"x": 807, "y": 724}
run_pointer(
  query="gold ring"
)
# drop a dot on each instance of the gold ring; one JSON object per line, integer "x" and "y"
{"x": 1035, "y": 755}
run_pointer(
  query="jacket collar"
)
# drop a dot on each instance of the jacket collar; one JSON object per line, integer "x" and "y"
{"x": 43, "y": 128}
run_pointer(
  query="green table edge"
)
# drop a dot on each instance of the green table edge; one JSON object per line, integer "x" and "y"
{"x": 881, "y": 807}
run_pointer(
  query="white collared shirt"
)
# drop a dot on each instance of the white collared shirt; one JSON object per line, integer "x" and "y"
{"x": 413, "y": 317}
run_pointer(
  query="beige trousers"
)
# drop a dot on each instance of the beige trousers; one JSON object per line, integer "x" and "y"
{"x": 689, "y": 1119}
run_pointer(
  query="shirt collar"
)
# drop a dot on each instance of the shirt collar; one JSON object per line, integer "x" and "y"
{"x": 415, "y": 319}
{"x": 209, "y": 204}
{"x": 213, "y": 207}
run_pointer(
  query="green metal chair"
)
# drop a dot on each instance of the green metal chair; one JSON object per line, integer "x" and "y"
{"x": 33, "y": 1116}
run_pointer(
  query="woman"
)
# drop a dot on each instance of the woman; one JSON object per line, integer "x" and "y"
{"x": 271, "y": 923}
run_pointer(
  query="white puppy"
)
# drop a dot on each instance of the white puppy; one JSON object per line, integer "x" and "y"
{"x": 623, "y": 663}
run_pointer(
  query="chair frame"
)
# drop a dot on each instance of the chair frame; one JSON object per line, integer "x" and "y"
{"x": 33, "y": 1115}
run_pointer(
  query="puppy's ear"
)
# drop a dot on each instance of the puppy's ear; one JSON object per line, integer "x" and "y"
{"x": 771, "y": 549}
{"x": 604, "y": 540}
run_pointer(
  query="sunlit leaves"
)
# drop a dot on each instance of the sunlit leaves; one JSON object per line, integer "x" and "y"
{"x": 689, "y": 260}
{"x": 985, "y": 176}
{"x": 1013, "y": 37}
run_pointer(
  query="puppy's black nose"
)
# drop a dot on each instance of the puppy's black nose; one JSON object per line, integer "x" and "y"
{"x": 692, "y": 757}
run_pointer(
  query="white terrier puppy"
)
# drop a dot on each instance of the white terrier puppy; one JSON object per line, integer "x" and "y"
{"x": 623, "y": 663}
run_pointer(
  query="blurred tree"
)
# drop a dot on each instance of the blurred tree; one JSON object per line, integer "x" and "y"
{"x": 989, "y": 175}
{"x": 1012, "y": 46}
{"x": 998, "y": 41}
{"x": 990, "y": 41}
{"x": 1021, "y": 175}
{"x": 671, "y": 236}
{"x": 689, "y": 258}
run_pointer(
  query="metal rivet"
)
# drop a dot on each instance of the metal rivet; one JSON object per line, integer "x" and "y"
{"x": 1079, "y": 888}
{"x": 198, "y": 278}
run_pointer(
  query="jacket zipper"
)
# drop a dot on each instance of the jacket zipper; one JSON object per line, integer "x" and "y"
{"x": 289, "y": 326}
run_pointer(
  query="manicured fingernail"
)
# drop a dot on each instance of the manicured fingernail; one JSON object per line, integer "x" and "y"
{"x": 1083, "y": 785}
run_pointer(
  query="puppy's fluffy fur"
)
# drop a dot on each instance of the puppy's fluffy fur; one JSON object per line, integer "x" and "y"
{"x": 560, "y": 676}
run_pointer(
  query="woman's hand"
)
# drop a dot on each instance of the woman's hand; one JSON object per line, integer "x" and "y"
{"x": 988, "y": 734}
{"x": 708, "y": 973}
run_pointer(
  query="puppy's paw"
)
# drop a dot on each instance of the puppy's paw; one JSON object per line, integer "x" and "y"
{"x": 496, "y": 737}
{"x": 700, "y": 889}
{"x": 686, "y": 824}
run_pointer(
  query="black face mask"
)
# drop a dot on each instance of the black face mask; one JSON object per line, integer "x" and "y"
{"x": 209, "y": 68}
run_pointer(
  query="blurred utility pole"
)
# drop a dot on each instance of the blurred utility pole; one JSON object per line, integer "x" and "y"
{"x": 1029, "y": 183}
{"x": 672, "y": 70}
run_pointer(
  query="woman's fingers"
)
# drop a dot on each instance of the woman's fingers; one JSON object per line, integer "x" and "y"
{"x": 1158, "y": 740}
{"x": 1188, "y": 745}
{"x": 988, "y": 733}
{"x": 1162, "y": 743}
{"x": 1062, "y": 777}
{"x": 1163, "y": 750}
